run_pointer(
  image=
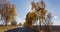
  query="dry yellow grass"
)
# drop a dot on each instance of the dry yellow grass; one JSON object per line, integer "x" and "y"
{"x": 4, "y": 28}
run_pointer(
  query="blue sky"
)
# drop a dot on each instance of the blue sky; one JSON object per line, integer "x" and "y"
{"x": 23, "y": 7}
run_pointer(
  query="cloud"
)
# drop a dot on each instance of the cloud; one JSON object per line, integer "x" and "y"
{"x": 55, "y": 17}
{"x": 56, "y": 22}
{"x": 19, "y": 20}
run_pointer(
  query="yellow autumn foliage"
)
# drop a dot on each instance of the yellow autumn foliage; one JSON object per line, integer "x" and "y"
{"x": 8, "y": 12}
{"x": 31, "y": 17}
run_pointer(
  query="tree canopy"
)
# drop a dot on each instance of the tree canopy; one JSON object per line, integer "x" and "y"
{"x": 8, "y": 11}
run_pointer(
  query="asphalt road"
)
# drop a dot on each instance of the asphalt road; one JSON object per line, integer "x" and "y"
{"x": 21, "y": 29}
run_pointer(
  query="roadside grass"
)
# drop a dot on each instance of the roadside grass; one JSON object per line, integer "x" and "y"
{"x": 4, "y": 28}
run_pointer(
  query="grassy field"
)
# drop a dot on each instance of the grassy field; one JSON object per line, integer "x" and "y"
{"x": 4, "y": 28}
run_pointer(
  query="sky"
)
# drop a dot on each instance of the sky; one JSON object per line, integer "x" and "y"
{"x": 24, "y": 6}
